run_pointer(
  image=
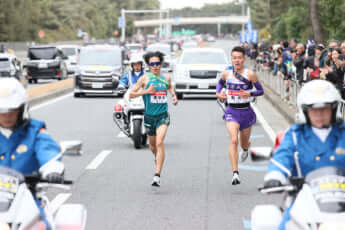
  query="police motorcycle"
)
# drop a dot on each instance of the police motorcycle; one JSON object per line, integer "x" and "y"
{"x": 19, "y": 195}
{"x": 128, "y": 114}
{"x": 318, "y": 203}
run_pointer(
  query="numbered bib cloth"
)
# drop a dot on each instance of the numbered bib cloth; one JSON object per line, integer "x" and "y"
{"x": 159, "y": 97}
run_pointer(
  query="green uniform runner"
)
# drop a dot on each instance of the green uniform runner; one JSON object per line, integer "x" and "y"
{"x": 156, "y": 105}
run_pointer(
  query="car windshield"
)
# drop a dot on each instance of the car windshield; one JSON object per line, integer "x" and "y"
{"x": 134, "y": 47}
{"x": 203, "y": 58}
{"x": 4, "y": 63}
{"x": 69, "y": 51}
{"x": 189, "y": 45}
{"x": 106, "y": 57}
{"x": 42, "y": 53}
{"x": 163, "y": 49}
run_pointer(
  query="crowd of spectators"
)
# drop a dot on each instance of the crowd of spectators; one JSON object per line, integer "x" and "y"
{"x": 301, "y": 62}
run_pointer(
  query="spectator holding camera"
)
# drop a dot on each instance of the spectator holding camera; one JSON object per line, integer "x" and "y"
{"x": 334, "y": 70}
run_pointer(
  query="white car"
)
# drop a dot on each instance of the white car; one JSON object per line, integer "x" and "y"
{"x": 188, "y": 45}
{"x": 72, "y": 52}
{"x": 198, "y": 71}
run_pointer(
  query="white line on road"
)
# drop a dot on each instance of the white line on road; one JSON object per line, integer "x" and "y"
{"x": 50, "y": 102}
{"x": 264, "y": 123}
{"x": 97, "y": 161}
{"x": 59, "y": 200}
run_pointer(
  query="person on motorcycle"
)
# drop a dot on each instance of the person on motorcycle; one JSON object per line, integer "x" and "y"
{"x": 137, "y": 70}
{"x": 24, "y": 143}
{"x": 318, "y": 141}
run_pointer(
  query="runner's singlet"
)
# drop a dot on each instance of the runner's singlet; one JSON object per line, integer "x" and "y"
{"x": 156, "y": 103}
{"x": 235, "y": 85}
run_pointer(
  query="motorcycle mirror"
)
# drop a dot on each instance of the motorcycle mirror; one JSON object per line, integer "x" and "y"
{"x": 71, "y": 147}
{"x": 260, "y": 153}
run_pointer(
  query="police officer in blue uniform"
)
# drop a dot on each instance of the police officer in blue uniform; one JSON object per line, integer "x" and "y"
{"x": 137, "y": 70}
{"x": 24, "y": 144}
{"x": 317, "y": 142}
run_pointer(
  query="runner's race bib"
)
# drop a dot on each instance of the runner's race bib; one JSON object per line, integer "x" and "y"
{"x": 159, "y": 97}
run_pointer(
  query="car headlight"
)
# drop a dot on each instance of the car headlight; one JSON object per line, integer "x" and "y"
{"x": 115, "y": 77}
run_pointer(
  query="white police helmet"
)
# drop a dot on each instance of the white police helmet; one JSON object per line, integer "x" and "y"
{"x": 13, "y": 96}
{"x": 136, "y": 58}
{"x": 317, "y": 94}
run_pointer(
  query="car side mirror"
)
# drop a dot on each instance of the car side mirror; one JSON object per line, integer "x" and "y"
{"x": 64, "y": 57}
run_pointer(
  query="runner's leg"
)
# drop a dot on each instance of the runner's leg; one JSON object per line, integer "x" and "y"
{"x": 233, "y": 130}
{"x": 152, "y": 143}
{"x": 161, "y": 133}
{"x": 244, "y": 138}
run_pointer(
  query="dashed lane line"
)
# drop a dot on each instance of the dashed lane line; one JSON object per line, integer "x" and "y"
{"x": 59, "y": 200}
{"x": 98, "y": 160}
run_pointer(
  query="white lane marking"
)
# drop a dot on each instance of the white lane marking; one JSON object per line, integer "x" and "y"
{"x": 59, "y": 200}
{"x": 121, "y": 135}
{"x": 97, "y": 161}
{"x": 50, "y": 102}
{"x": 264, "y": 123}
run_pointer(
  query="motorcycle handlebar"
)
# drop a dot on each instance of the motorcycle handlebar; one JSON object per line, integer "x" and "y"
{"x": 37, "y": 179}
{"x": 280, "y": 189}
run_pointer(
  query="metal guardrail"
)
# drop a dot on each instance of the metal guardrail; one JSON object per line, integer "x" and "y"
{"x": 277, "y": 85}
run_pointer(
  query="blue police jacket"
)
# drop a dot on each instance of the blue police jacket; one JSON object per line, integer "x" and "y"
{"x": 125, "y": 79}
{"x": 312, "y": 152}
{"x": 28, "y": 148}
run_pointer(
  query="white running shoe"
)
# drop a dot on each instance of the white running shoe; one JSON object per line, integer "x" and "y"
{"x": 236, "y": 179}
{"x": 244, "y": 155}
{"x": 156, "y": 181}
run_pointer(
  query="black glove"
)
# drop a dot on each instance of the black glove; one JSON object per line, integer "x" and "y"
{"x": 55, "y": 178}
{"x": 272, "y": 183}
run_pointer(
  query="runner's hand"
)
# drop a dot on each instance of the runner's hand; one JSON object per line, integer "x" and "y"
{"x": 151, "y": 90}
{"x": 244, "y": 94}
{"x": 175, "y": 101}
{"x": 222, "y": 96}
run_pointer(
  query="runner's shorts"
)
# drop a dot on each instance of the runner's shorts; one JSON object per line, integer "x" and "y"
{"x": 245, "y": 117}
{"x": 152, "y": 123}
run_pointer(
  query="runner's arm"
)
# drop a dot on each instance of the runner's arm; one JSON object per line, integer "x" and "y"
{"x": 259, "y": 89}
{"x": 170, "y": 88}
{"x": 135, "y": 89}
{"x": 220, "y": 85}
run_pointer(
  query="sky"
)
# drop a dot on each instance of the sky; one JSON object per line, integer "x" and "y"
{"x": 178, "y": 4}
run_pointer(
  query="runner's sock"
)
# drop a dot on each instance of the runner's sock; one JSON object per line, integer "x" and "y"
{"x": 235, "y": 172}
{"x": 157, "y": 174}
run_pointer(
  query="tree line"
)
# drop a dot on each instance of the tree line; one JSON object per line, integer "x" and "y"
{"x": 278, "y": 20}
{"x": 21, "y": 20}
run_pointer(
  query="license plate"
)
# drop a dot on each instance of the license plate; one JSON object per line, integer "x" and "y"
{"x": 203, "y": 85}
{"x": 42, "y": 65}
{"x": 97, "y": 85}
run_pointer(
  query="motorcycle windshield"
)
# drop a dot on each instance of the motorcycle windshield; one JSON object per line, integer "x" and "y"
{"x": 9, "y": 183}
{"x": 328, "y": 187}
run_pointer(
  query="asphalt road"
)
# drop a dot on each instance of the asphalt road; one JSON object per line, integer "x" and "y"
{"x": 196, "y": 190}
